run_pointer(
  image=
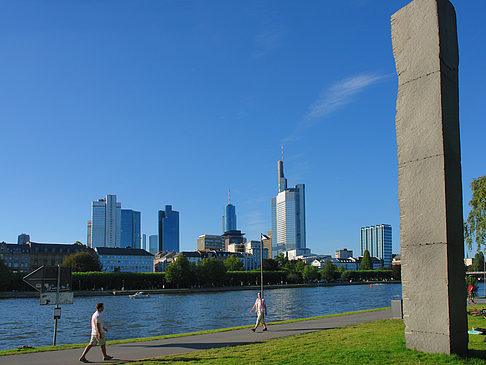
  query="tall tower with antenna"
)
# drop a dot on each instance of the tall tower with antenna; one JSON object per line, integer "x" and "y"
{"x": 282, "y": 181}
{"x": 229, "y": 220}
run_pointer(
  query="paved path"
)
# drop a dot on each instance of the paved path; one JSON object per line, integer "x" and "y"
{"x": 129, "y": 352}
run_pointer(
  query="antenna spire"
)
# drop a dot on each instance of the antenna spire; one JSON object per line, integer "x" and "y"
{"x": 229, "y": 196}
{"x": 282, "y": 152}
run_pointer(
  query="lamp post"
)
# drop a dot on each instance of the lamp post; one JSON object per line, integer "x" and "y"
{"x": 262, "y": 237}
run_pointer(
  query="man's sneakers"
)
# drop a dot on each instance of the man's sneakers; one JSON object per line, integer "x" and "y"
{"x": 107, "y": 357}
{"x": 265, "y": 329}
{"x": 253, "y": 329}
{"x": 82, "y": 359}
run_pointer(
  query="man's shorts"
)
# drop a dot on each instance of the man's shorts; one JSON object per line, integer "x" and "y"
{"x": 96, "y": 341}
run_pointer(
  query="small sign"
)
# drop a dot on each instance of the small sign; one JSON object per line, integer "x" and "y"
{"x": 49, "y": 298}
{"x": 57, "y": 313}
{"x": 44, "y": 279}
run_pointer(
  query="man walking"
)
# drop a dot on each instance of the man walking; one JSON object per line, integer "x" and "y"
{"x": 97, "y": 334}
{"x": 260, "y": 307}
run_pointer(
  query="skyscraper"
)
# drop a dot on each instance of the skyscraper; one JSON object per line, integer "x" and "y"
{"x": 153, "y": 244}
{"x": 378, "y": 241}
{"x": 130, "y": 228}
{"x": 143, "y": 243}
{"x": 168, "y": 229}
{"x": 288, "y": 216}
{"x": 229, "y": 222}
{"x": 106, "y": 222}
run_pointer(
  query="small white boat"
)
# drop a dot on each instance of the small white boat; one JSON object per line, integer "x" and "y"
{"x": 139, "y": 295}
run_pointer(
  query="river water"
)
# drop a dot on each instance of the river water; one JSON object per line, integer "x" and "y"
{"x": 25, "y": 322}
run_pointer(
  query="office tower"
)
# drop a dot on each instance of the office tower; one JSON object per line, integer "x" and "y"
{"x": 168, "y": 229}
{"x": 288, "y": 216}
{"x": 88, "y": 239}
{"x": 23, "y": 238}
{"x": 378, "y": 241}
{"x": 229, "y": 222}
{"x": 130, "y": 228}
{"x": 106, "y": 222}
{"x": 143, "y": 243}
{"x": 153, "y": 244}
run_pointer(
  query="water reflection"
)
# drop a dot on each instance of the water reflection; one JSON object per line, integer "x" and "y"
{"x": 25, "y": 322}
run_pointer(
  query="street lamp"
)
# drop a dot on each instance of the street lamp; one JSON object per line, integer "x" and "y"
{"x": 262, "y": 237}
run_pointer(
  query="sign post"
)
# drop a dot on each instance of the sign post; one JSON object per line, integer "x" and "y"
{"x": 54, "y": 285}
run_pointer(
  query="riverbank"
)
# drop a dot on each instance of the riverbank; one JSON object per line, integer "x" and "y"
{"x": 95, "y": 293}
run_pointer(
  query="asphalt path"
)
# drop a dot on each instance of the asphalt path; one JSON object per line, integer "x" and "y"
{"x": 133, "y": 351}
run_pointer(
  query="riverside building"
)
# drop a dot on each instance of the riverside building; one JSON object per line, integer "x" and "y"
{"x": 168, "y": 229}
{"x": 378, "y": 241}
{"x": 105, "y": 224}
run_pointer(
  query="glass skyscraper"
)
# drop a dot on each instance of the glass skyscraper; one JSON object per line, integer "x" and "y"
{"x": 130, "y": 228}
{"x": 168, "y": 229}
{"x": 105, "y": 222}
{"x": 378, "y": 241}
{"x": 288, "y": 216}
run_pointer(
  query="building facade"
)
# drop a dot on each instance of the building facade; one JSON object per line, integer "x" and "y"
{"x": 125, "y": 259}
{"x": 344, "y": 254}
{"x": 153, "y": 244}
{"x": 378, "y": 241}
{"x": 23, "y": 238}
{"x": 168, "y": 229}
{"x": 130, "y": 228}
{"x": 288, "y": 216}
{"x": 105, "y": 222}
{"x": 210, "y": 242}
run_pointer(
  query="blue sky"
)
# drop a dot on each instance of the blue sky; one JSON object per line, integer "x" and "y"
{"x": 175, "y": 102}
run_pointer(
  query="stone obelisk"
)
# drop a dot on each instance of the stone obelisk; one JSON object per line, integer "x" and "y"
{"x": 424, "y": 36}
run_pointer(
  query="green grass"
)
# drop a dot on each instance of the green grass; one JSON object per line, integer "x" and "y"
{"x": 380, "y": 342}
{"x": 74, "y": 346}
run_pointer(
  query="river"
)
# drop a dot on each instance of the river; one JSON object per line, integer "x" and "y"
{"x": 25, "y": 322}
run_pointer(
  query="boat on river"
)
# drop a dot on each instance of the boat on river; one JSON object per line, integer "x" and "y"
{"x": 139, "y": 295}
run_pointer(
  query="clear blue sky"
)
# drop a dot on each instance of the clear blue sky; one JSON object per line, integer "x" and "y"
{"x": 175, "y": 102}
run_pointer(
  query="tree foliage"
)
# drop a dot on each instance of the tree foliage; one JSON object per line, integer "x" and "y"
{"x": 211, "y": 271}
{"x": 180, "y": 273}
{"x": 310, "y": 273}
{"x": 329, "y": 271}
{"x": 270, "y": 265}
{"x": 83, "y": 261}
{"x": 475, "y": 225}
{"x": 366, "y": 261}
{"x": 5, "y": 275}
{"x": 478, "y": 262}
{"x": 233, "y": 263}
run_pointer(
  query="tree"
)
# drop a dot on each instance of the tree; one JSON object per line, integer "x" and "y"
{"x": 475, "y": 225}
{"x": 83, "y": 261}
{"x": 211, "y": 272}
{"x": 233, "y": 263}
{"x": 366, "y": 261}
{"x": 5, "y": 276}
{"x": 310, "y": 273}
{"x": 281, "y": 261}
{"x": 270, "y": 265}
{"x": 478, "y": 262}
{"x": 180, "y": 273}
{"x": 329, "y": 271}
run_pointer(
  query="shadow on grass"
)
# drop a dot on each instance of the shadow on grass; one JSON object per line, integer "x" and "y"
{"x": 478, "y": 354}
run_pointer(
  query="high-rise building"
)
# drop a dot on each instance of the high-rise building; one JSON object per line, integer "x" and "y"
{"x": 23, "y": 238}
{"x": 288, "y": 216}
{"x": 106, "y": 222}
{"x": 344, "y": 254}
{"x": 378, "y": 241}
{"x": 130, "y": 228}
{"x": 229, "y": 219}
{"x": 168, "y": 229}
{"x": 153, "y": 244}
{"x": 88, "y": 238}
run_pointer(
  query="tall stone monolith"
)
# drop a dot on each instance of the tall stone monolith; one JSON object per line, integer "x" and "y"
{"x": 424, "y": 36}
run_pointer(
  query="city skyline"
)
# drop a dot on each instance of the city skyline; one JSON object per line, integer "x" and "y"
{"x": 141, "y": 100}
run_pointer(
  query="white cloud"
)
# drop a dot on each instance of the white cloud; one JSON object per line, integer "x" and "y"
{"x": 339, "y": 94}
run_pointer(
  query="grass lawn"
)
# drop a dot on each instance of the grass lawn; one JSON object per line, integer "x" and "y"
{"x": 380, "y": 342}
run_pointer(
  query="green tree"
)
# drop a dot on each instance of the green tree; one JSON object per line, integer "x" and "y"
{"x": 281, "y": 261}
{"x": 329, "y": 271}
{"x": 211, "y": 272}
{"x": 478, "y": 262}
{"x": 233, "y": 263}
{"x": 180, "y": 273}
{"x": 270, "y": 265}
{"x": 83, "y": 261}
{"x": 475, "y": 225}
{"x": 5, "y": 276}
{"x": 366, "y": 261}
{"x": 310, "y": 273}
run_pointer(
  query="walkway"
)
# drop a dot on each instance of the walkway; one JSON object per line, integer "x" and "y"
{"x": 129, "y": 352}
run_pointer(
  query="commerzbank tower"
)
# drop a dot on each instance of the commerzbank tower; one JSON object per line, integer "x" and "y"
{"x": 288, "y": 216}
